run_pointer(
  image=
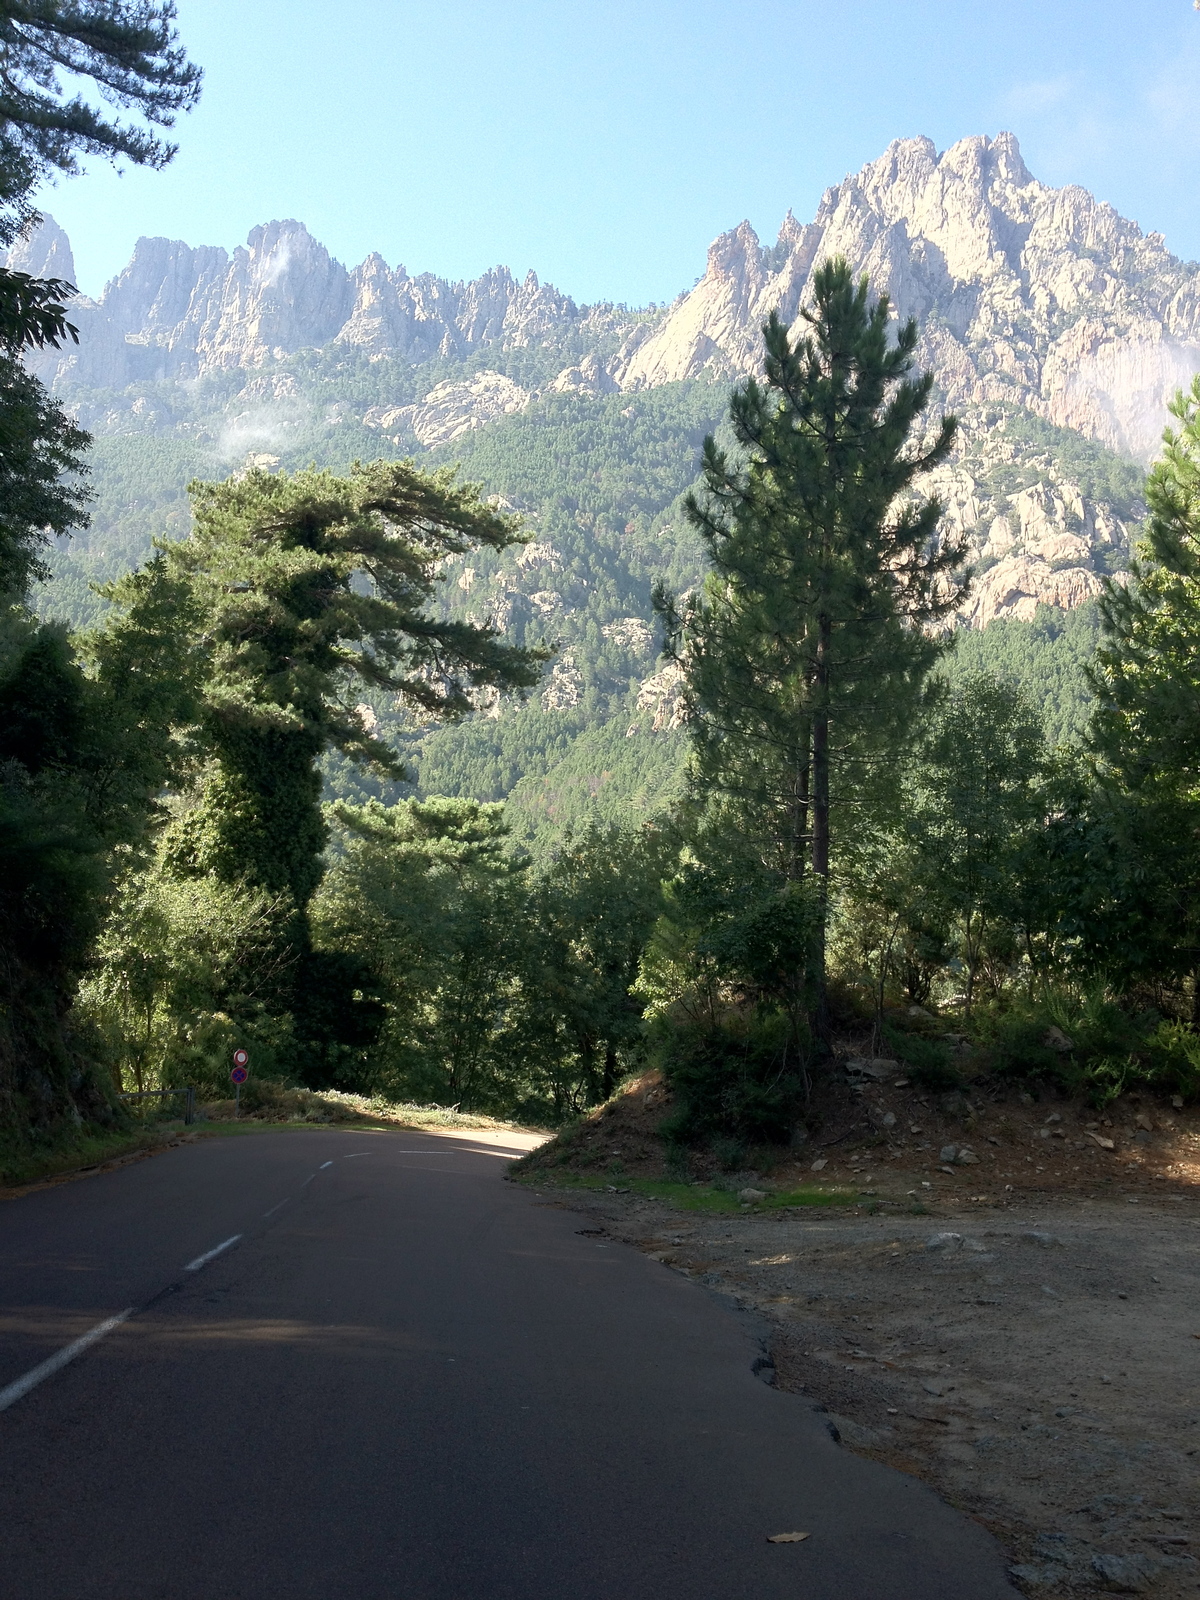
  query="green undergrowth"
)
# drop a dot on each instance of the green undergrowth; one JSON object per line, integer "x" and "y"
{"x": 687, "y": 1196}
{"x": 26, "y": 1162}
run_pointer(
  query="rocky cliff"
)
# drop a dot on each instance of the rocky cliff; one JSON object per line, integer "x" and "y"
{"x": 1039, "y": 297}
{"x": 1033, "y": 302}
{"x": 179, "y": 312}
{"x": 1028, "y": 295}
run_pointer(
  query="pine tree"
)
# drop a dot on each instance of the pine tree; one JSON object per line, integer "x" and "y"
{"x": 1146, "y": 726}
{"x": 130, "y": 51}
{"x": 300, "y": 593}
{"x": 805, "y": 653}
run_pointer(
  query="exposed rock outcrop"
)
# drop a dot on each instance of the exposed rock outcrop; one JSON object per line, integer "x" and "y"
{"x": 1042, "y": 297}
{"x": 1030, "y": 299}
{"x": 181, "y": 312}
{"x": 449, "y": 410}
{"x": 661, "y": 697}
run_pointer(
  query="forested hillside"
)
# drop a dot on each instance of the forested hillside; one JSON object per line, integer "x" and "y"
{"x": 457, "y": 693}
{"x": 587, "y": 422}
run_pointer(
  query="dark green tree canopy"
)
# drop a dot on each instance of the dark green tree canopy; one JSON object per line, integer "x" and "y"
{"x": 1146, "y": 678}
{"x": 827, "y": 568}
{"x": 300, "y": 591}
{"x": 805, "y": 653}
{"x": 313, "y": 583}
{"x": 42, "y": 493}
{"x": 32, "y": 314}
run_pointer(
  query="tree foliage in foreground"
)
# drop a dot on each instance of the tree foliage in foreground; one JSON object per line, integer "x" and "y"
{"x": 1146, "y": 729}
{"x": 503, "y": 988}
{"x": 294, "y": 592}
{"x": 128, "y": 49}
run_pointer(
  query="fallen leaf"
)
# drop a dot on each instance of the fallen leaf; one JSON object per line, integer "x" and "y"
{"x": 786, "y": 1538}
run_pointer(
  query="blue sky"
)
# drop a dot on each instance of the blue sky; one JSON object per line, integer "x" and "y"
{"x": 605, "y": 145}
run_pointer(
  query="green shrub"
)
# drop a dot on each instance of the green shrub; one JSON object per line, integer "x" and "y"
{"x": 928, "y": 1061}
{"x": 738, "y": 1080}
{"x": 731, "y": 1154}
{"x": 1173, "y": 1052}
{"x": 1017, "y": 1047}
{"x": 1111, "y": 1049}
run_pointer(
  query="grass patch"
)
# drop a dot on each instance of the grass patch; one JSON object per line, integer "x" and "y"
{"x": 81, "y": 1148}
{"x": 687, "y": 1196}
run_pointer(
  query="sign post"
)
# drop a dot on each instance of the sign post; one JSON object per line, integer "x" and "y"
{"x": 239, "y": 1076}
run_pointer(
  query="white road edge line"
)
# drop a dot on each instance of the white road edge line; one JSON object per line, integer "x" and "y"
{"x": 21, "y": 1387}
{"x": 274, "y": 1209}
{"x": 323, "y": 1165}
{"x": 200, "y": 1261}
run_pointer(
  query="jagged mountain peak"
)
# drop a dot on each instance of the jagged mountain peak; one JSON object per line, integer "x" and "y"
{"x": 1036, "y": 296}
{"x": 1040, "y": 297}
{"x": 45, "y": 252}
{"x": 180, "y": 311}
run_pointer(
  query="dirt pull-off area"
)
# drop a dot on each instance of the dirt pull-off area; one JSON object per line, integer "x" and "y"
{"x": 1022, "y": 1331}
{"x": 1039, "y": 1368}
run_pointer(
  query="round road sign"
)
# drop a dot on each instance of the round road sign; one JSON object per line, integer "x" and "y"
{"x": 239, "y": 1074}
{"x": 240, "y": 1058}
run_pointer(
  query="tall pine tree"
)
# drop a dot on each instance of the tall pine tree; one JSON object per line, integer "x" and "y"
{"x": 1146, "y": 725}
{"x": 804, "y": 655}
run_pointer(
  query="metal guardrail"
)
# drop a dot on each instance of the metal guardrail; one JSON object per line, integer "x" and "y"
{"x": 189, "y": 1104}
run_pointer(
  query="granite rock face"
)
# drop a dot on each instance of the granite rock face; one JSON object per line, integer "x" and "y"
{"x": 449, "y": 410}
{"x": 1041, "y": 297}
{"x": 1029, "y": 299}
{"x": 178, "y": 312}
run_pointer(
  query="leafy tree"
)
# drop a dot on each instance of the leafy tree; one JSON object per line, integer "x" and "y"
{"x": 32, "y": 315}
{"x": 595, "y": 909}
{"x": 724, "y": 983}
{"x": 41, "y": 449}
{"x": 82, "y": 755}
{"x": 427, "y": 894}
{"x": 42, "y": 495}
{"x": 806, "y": 650}
{"x": 182, "y": 972}
{"x": 975, "y": 822}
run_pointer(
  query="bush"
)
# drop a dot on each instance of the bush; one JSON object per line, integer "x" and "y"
{"x": 1173, "y": 1052}
{"x": 928, "y": 1062}
{"x": 1111, "y": 1050}
{"x": 737, "y": 1081}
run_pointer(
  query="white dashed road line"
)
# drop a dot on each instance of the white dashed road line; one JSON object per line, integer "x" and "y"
{"x": 21, "y": 1386}
{"x": 200, "y": 1261}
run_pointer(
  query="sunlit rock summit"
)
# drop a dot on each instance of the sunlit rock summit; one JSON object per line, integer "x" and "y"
{"x": 1042, "y": 297}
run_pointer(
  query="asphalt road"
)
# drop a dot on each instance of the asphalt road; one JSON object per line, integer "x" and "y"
{"x": 408, "y": 1380}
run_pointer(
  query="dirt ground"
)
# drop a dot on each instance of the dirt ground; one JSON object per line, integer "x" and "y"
{"x": 1021, "y": 1330}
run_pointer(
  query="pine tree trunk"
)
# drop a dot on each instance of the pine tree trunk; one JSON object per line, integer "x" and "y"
{"x": 798, "y": 845}
{"x": 820, "y": 823}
